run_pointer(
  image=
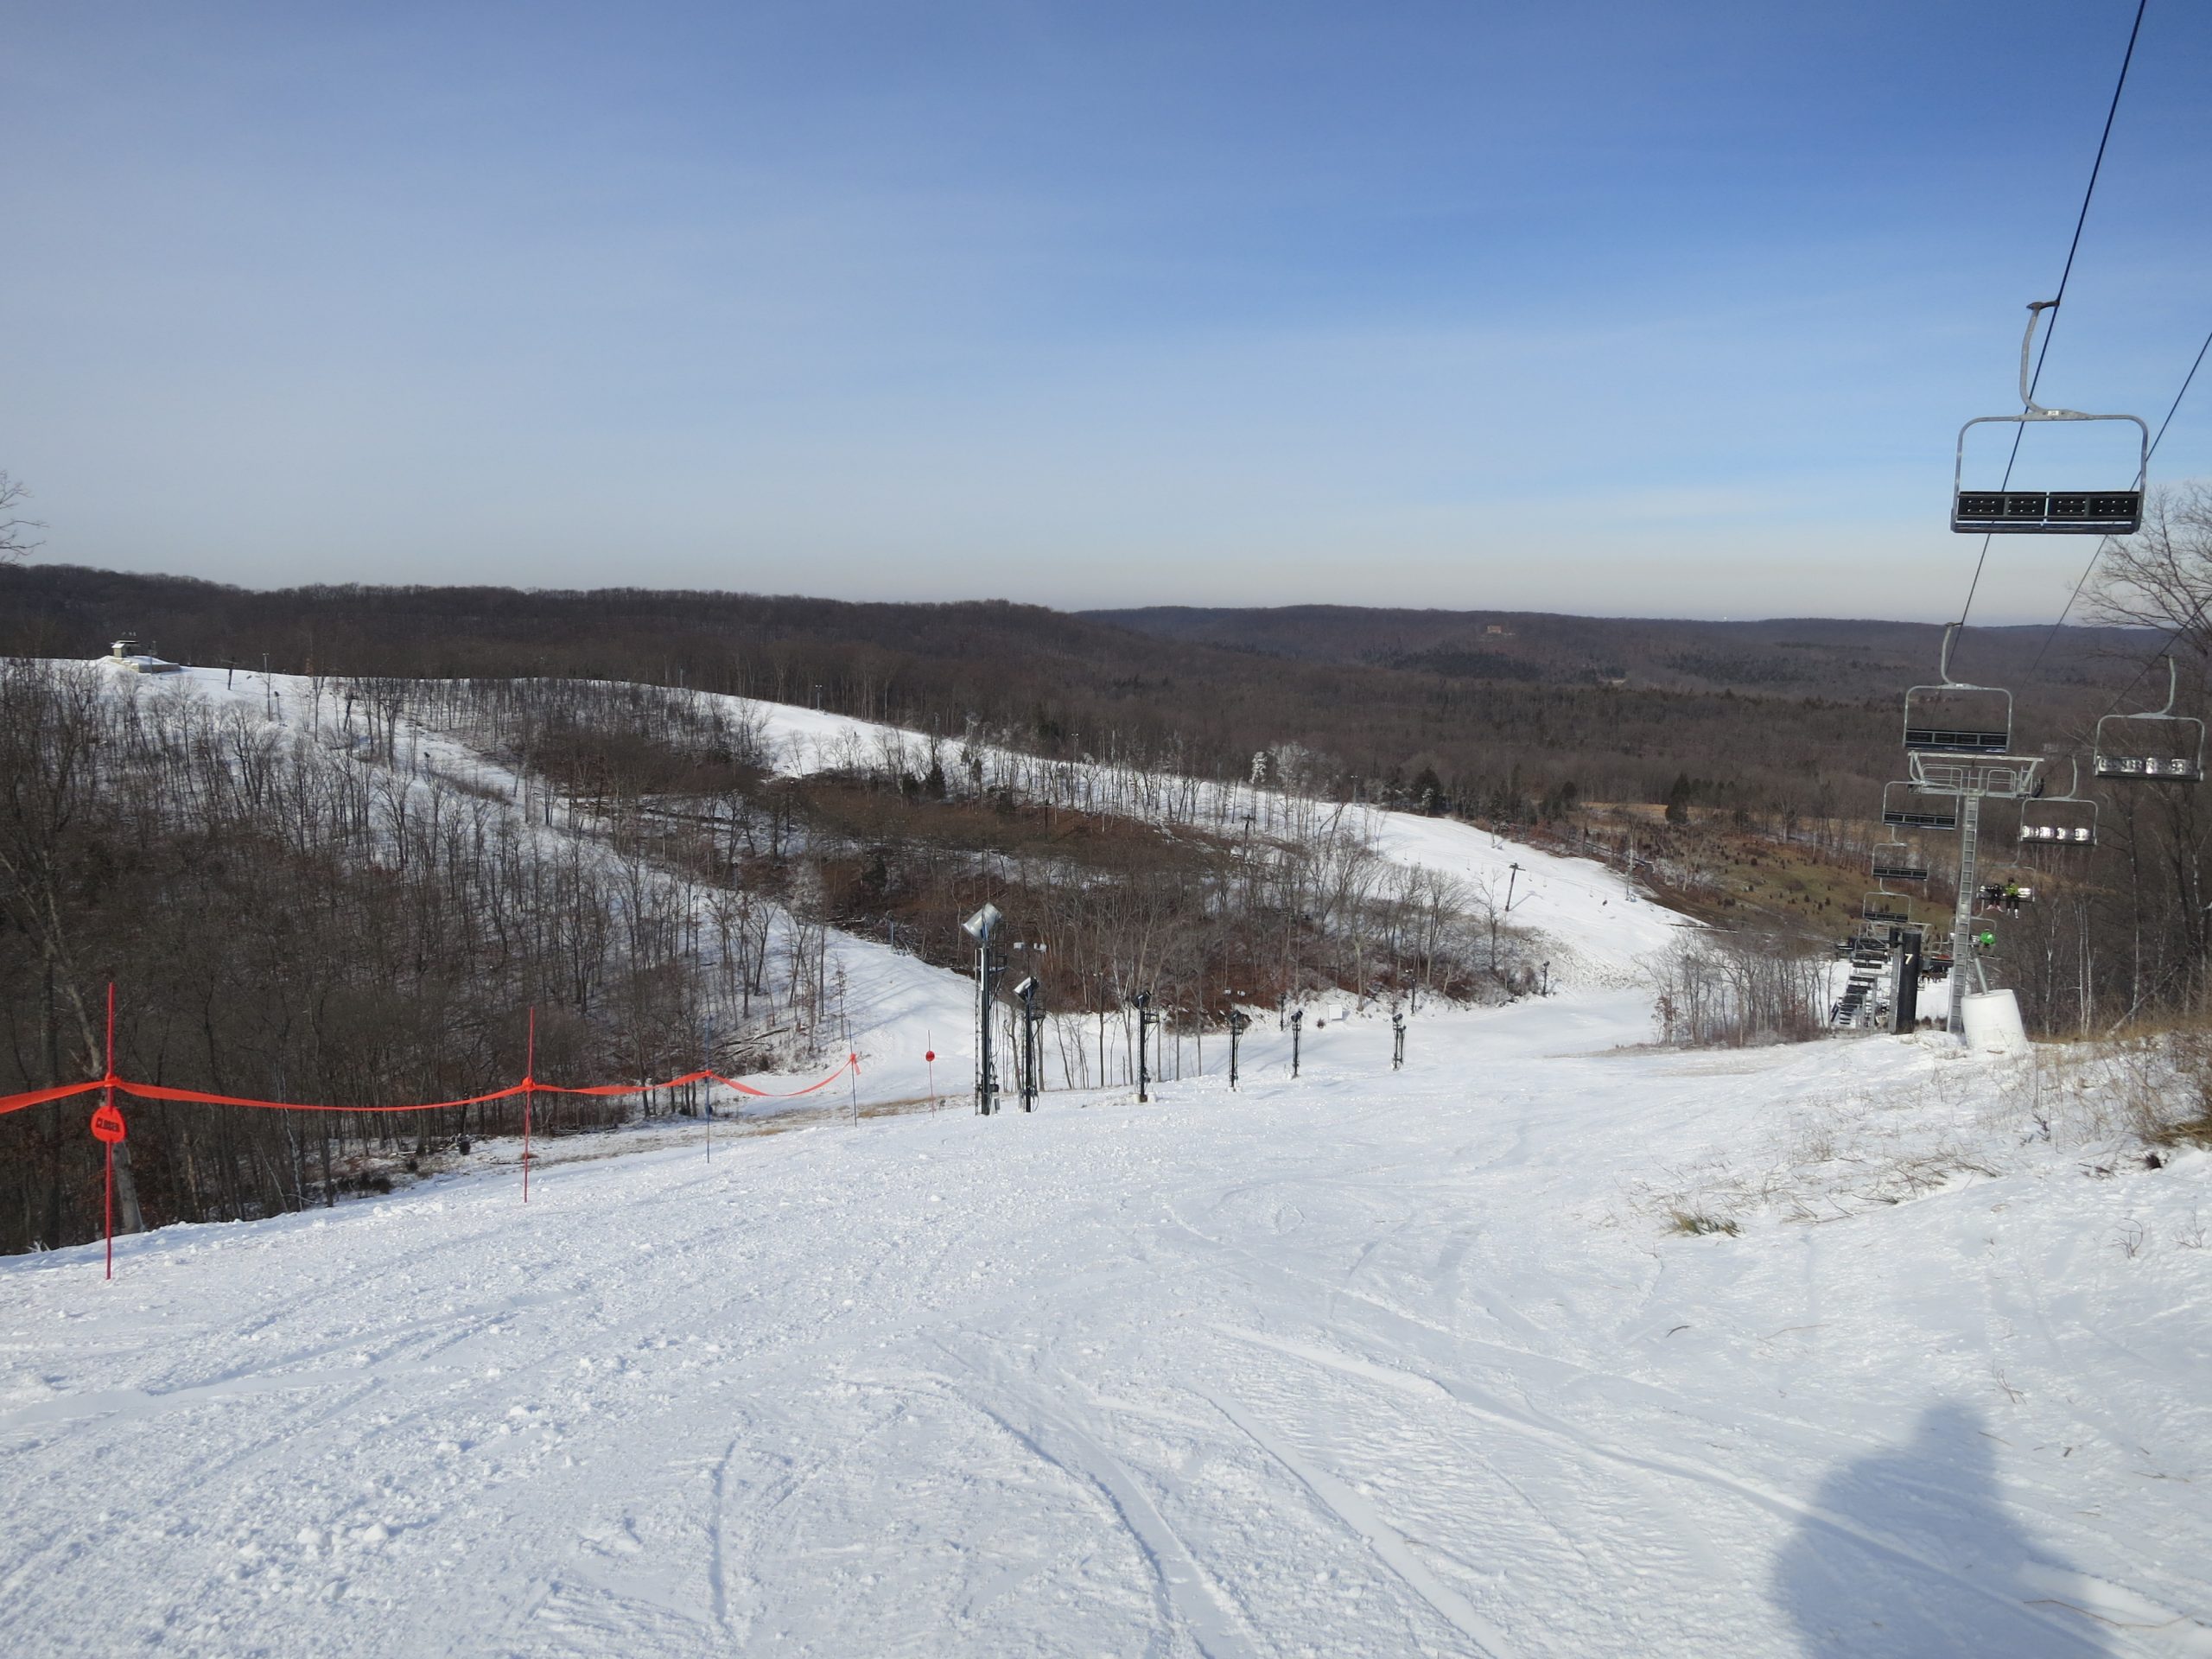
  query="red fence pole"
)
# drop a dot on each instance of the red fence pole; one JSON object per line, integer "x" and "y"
{"x": 107, "y": 1146}
{"x": 528, "y": 1088}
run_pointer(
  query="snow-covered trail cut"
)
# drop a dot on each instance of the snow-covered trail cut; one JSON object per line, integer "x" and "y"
{"x": 1365, "y": 1364}
{"x": 1599, "y": 927}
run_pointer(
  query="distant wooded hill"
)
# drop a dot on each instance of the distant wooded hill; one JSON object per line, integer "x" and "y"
{"x": 1793, "y": 657}
{"x": 1775, "y": 716}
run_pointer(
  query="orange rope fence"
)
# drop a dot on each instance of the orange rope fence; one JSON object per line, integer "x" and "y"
{"x": 107, "y": 1126}
{"x": 528, "y": 1085}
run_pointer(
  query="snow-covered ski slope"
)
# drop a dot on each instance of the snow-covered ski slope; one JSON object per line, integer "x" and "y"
{"x": 1361, "y": 1363}
{"x": 1603, "y": 929}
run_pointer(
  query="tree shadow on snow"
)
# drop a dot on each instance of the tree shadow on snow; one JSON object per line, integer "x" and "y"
{"x": 1912, "y": 1551}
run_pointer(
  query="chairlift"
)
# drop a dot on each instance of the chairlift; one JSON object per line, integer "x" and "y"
{"x": 2076, "y": 513}
{"x": 1955, "y": 718}
{"x": 1898, "y": 859}
{"x": 2148, "y": 748}
{"x": 1907, "y": 808}
{"x": 2060, "y": 820}
{"x": 1884, "y": 908}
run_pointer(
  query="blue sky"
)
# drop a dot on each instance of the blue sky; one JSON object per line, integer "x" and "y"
{"x": 1595, "y": 308}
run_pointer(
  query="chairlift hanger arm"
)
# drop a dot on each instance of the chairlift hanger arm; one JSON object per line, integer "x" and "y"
{"x": 2173, "y": 685}
{"x": 1951, "y": 632}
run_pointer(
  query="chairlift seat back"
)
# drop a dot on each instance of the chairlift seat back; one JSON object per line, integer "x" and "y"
{"x": 1906, "y": 808}
{"x": 2049, "y": 513}
{"x": 1956, "y": 719}
{"x": 2149, "y": 768}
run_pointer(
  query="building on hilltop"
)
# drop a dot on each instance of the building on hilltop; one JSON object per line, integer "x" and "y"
{"x": 128, "y": 658}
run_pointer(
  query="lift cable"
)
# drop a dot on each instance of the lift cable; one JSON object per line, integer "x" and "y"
{"x": 2073, "y": 247}
{"x": 2105, "y": 544}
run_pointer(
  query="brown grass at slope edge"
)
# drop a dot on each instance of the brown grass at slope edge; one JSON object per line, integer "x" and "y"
{"x": 1730, "y": 876}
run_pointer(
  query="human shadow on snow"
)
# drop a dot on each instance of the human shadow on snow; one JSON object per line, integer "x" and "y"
{"x": 1912, "y": 1551}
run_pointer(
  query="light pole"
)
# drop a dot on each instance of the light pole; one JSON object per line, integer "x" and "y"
{"x": 1297, "y": 1025}
{"x": 1398, "y": 1041}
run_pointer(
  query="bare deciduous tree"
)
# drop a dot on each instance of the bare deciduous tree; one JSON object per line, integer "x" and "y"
{"x": 16, "y": 543}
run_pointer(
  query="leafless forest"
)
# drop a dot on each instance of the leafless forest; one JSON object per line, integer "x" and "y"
{"x": 334, "y": 906}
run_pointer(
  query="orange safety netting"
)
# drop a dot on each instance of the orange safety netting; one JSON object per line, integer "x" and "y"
{"x": 527, "y": 1086}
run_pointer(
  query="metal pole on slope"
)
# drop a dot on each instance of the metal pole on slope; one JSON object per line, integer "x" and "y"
{"x": 107, "y": 1126}
{"x": 1026, "y": 991}
{"x": 982, "y": 928}
{"x": 1143, "y": 1002}
{"x": 528, "y": 1088}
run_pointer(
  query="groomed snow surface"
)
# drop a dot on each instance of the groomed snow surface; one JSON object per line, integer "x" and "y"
{"x": 1360, "y": 1363}
{"x": 1363, "y": 1363}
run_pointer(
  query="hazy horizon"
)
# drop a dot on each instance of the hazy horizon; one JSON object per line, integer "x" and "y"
{"x": 1981, "y": 621}
{"x": 1226, "y": 306}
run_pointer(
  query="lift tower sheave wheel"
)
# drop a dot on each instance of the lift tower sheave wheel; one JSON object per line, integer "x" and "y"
{"x": 2156, "y": 747}
{"x": 2049, "y": 513}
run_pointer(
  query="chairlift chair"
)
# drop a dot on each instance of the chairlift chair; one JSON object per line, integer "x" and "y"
{"x": 1898, "y": 859}
{"x": 2064, "y": 820}
{"x": 2158, "y": 745}
{"x": 2076, "y": 513}
{"x": 1955, "y": 718}
{"x": 1886, "y": 908}
{"x": 1904, "y": 807}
